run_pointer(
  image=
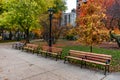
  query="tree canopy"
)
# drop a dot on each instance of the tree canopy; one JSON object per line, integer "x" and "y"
{"x": 91, "y": 30}
{"x": 113, "y": 14}
{"x": 25, "y": 15}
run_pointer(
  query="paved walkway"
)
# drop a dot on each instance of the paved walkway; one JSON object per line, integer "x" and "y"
{"x": 18, "y": 65}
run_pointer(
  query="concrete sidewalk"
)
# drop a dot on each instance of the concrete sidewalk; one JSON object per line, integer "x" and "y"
{"x": 18, "y": 65}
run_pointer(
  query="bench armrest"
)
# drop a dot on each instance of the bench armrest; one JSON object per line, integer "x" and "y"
{"x": 107, "y": 61}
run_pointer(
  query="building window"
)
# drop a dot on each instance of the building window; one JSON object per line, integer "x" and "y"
{"x": 69, "y": 18}
{"x": 65, "y": 20}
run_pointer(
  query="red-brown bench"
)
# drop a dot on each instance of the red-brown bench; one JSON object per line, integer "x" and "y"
{"x": 31, "y": 47}
{"x": 54, "y": 51}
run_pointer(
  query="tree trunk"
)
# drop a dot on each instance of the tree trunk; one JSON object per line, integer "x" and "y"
{"x": 10, "y": 36}
{"x": 119, "y": 24}
{"x": 118, "y": 41}
{"x": 27, "y": 35}
{"x": 111, "y": 24}
{"x": 91, "y": 49}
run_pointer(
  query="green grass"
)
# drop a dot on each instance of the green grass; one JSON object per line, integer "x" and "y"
{"x": 5, "y": 41}
{"x": 115, "y": 54}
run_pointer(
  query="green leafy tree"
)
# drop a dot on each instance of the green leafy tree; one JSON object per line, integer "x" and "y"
{"x": 24, "y": 13}
{"x": 1, "y": 11}
{"x": 1, "y": 7}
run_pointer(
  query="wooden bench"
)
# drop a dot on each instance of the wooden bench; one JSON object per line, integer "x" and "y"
{"x": 54, "y": 51}
{"x": 31, "y": 47}
{"x": 19, "y": 45}
{"x": 88, "y": 57}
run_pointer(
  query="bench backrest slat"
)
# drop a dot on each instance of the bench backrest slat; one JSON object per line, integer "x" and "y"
{"x": 28, "y": 44}
{"x": 34, "y": 46}
{"x": 75, "y": 53}
{"x": 52, "y": 49}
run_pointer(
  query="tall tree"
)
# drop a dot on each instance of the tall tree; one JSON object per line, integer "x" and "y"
{"x": 2, "y": 21}
{"x": 24, "y": 13}
{"x": 113, "y": 13}
{"x": 92, "y": 30}
{"x": 112, "y": 19}
{"x": 1, "y": 7}
{"x": 59, "y": 7}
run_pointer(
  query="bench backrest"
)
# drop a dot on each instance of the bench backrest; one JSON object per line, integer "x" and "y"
{"x": 52, "y": 49}
{"x": 56, "y": 50}
{"x": 28, "y": 44}
{"x": 91, "y": 56}
{"x": 35, "y": 46}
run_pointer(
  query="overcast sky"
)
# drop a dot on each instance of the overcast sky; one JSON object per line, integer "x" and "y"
{"x": 71, "y": 4}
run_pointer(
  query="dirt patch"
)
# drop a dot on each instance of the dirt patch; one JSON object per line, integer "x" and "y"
{"x": 109, "y": 45}
{"x": 106, "y": 45}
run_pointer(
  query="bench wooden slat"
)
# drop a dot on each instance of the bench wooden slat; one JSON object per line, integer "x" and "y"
{"x": 74, "y": 57}
{"x": 91, "y": 61}
{"x": 96, "y": 59}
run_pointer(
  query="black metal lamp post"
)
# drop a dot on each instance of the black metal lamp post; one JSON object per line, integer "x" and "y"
{"x": 50, "y": 10}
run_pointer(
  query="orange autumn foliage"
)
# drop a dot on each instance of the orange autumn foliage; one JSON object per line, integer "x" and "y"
{"x": 91, "y": 30}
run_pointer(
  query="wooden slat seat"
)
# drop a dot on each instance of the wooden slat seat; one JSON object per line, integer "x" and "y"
{"x": 77, "y": 58}
{"x": 92, "y": 61}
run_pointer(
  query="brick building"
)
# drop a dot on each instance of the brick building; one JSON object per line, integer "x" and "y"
{"x": 79, "y": 3}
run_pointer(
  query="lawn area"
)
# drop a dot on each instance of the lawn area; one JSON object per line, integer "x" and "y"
{"x": 67, "y": 45}
{"x": 5, "y": 41}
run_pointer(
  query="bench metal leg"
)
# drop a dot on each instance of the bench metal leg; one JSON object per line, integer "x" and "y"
{"x": 46, "y": 55}
{"x": 105, "y": 70}
{"x": 85, "y": 64}
{"x": 65, "y": 59}
{"x": 56, "y": 57}
{"x": 60, "y": 57}
{"x": 37, "y": 53}
{"x": 50, "y": 55}
{"x": 81, "y": 63}
{"x": 108, "y": 68}
{"x": 33, "y": 51}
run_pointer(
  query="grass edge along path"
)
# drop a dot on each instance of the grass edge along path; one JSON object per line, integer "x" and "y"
{"x": 115, "y": 63}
